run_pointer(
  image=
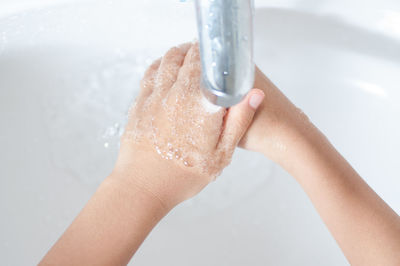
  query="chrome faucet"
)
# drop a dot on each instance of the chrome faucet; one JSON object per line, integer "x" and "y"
{"x": 226, "y": 46}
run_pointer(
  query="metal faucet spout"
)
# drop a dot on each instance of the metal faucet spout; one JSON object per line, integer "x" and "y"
{"x": 226, "y": 46}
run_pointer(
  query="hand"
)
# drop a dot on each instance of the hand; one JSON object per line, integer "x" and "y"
{"x": 277, "y": 124}
{"x": 174, "y": 144}
{"x": 175, "y": 141}
{"x": 352, "y": 211}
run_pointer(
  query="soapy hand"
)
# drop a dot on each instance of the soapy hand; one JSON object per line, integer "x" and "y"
{"x": 174, "y": 144}
{"x": 177, "y": 140}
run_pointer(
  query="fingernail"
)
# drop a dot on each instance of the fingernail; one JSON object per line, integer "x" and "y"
{"x": 255, "y": 100}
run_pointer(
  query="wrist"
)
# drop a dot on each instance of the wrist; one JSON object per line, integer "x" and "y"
{"x": 292, "y": 142}
{"x": 130, "y": 189}
{"x": 162, "y": 179}
{"x": 305, "y": 150}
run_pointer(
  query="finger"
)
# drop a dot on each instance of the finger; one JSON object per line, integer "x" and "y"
{"x": 190, "y": 72}
{"x": 169, "y": 67}
{"x": 239, "y": 118}
{"x": 193, "y": 55}
{"x": 146, "y": 84}
{"x": 146, "y": 88}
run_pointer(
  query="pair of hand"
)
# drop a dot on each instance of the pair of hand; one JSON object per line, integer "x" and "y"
{"x": 175, "y": 143}
{"x": 195, "y": 140}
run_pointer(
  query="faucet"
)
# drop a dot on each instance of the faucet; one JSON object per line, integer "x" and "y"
{"x": 226, "y": 48}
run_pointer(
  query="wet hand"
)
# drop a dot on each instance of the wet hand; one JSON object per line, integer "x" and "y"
{"x": 175, "y": 141}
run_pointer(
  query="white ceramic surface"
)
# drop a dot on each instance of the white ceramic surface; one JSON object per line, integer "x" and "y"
{"x": 68, "y": 73}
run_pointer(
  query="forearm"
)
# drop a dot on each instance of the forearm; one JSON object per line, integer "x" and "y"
{"x": 110, "y": 228}
{"x": 366, "y": 228}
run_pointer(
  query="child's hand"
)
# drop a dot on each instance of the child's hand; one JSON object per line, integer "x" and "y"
{"x": 352, "y": 211}
{"x": 176, "y": 142}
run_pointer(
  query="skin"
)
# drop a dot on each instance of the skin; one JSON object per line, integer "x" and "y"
{"x": 365, "y": 227}
{"x": 144, "y": 187}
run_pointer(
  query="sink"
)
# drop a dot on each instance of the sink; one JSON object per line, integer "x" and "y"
{"x": 69, "y": 71}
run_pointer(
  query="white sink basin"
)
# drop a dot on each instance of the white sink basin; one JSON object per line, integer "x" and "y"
{"x": 69, "y": 72}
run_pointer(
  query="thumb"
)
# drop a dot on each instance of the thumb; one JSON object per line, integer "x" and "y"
{"x": 240, "y": 116}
